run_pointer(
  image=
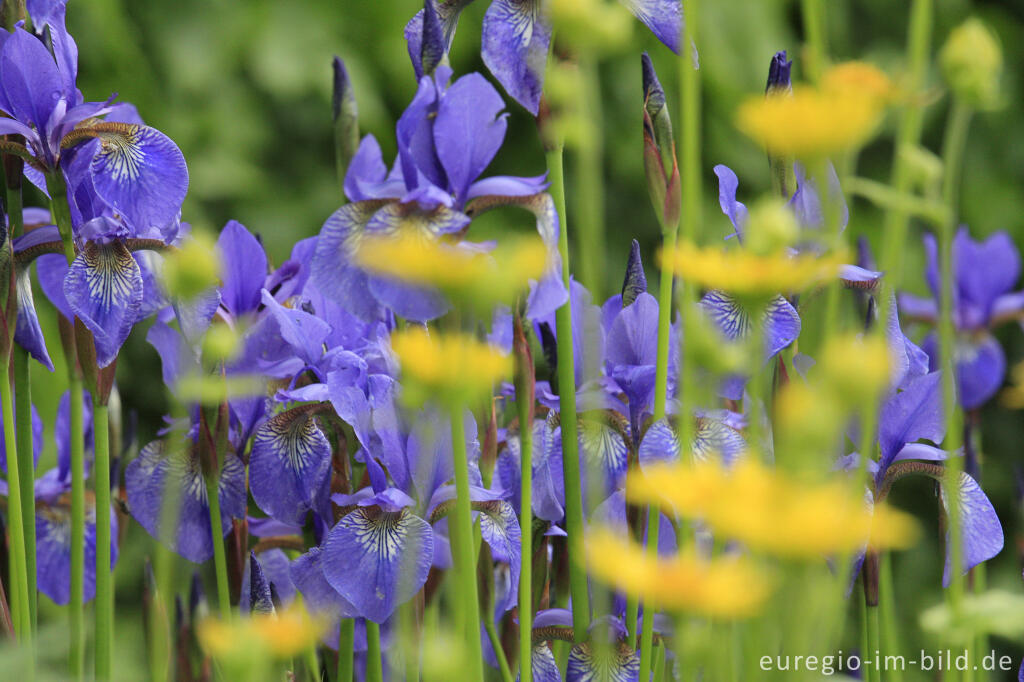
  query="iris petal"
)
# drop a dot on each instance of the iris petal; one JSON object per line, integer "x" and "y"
{"x": 378, "y": 560}
{"x": 500, "y": 530}
{"x": 982, "y": 533}
{"x": 514, "y": 45}
{"x": 141, "y": 173}
{"x": 155, "y": 469}
{"x": 290, "y": 460}
{"x": 104, "y": 289}
{"x": 614, "y": 663}
{"x": 27, "y": 332}
{"x": 332, "y": 269}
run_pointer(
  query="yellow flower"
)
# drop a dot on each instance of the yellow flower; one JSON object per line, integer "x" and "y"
{"x": 276, "y": 636}
{"x": 192, "y": 268}
{"x": 810, "y": 122}
{"x": 464, "y": 273}
{"x": 742, "y": 273}
{"x": 455, "y": 367}
{"x": 773, "y": 512}
{"x": 859, "y": 77}
{"x": 717, "y": 588}
{"x": 1013, "y": 397}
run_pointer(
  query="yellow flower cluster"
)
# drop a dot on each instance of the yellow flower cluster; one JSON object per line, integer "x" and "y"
{"x": 276, "y": 636}
{"x": 839, "y": 115}
{"x": 771, "y": 511}
{"x": 453, "y": 367}
{"x": 730, "y": 587}
{"x": 464, "y": 273}
{"x": 743, "y": 273}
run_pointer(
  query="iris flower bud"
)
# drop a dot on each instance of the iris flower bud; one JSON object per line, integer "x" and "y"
{"x": 346, "y": 119}
{"x": 972, "y": 62}
{"x": 660, "y": 164}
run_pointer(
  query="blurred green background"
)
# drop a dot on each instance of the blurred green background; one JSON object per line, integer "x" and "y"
{"x": 244, "y": 89}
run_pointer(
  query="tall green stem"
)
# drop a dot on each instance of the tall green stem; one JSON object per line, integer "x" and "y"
{"x": 462, "y": 548}
{"x": 19, "y": 583}
{"x": 952, "y": 156}
{"x": 887, "y": 603}
{"x": 23, "y": 408}
{"x": 647, "y": 628}
{"x": 589, "y": 196}
{"x": 104, "y": 605}
{"x": 567, "y": 405}
{"x": 61, "y": 214}
{"x": 526, "y": 533}
{"x": 896, "y": 221}
{"x": 669, "y": 236}
{"x": 690, "y": 215}
{"x": 346, "y": 642}
{"x": 813, "y": 16}
{"x": 220, "y": 562}
{"x": 374, "y": 665}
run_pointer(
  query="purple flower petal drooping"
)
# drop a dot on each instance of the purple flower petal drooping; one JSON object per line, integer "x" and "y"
{"x": 289, "y": 463}
{"x": 104, "y": 289}
{"x": 308, "y": 576}
{"x": 245, "y": 268}
{"x": 663, "y": 17}
{"x": 155, "y": 471}
{"x": 514, "y": 44}
{"x": 500, "y": 530}
{"x": 981, "y": 532}
{"x": 27, "y": 332}
{"x": 141, "y": 173}
{"x": 378, "y": 556}
{"x": 543, "y": 666}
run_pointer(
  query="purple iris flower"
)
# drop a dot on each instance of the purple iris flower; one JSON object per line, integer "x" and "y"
{"x": 135, "y": 170}
{"x": 613, "y": 658}
{"x": 446, "y": 138}
{"x": 161, "y": 467}
{"x": 984, "y": 274}
{"x": 910, "y": 422}
{"x": 516, "y": 38}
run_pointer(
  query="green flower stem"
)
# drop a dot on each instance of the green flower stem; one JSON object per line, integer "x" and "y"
{"x": 873, "y": 638}
{"x": 19, "y": 584}
{"x": 61, "y": 214}
{"x": 499, "y": 652}
{"x": 526, "y": 533}
{"x": 462, "y": 549}
{"x": 908, "y": 135}
{"x": 690, "y": 214}
{"x": 589, "y": 196}
{"x": 104, "y": 605}
{"x": 952, "y": 156}
{"x": 659, "y": 663}
{"x": 647, "y": 631}
{"x": 567, "y": 404}
{"x": 669, "y": 236}
{"x": 23, "y": 415}
{"x": 220, "y": 562}
{"x": 26, "y": 467}
{"x": 813, "y": 15}
{"x": 865, "y": 642}
{"x": 887, "y": 603}
{"x": 374, "y": 665}
{"x": 346, "y": 644}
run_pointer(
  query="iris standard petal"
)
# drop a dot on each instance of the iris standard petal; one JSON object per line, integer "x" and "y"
{"x": 303, "y": 332}
{"x": 468, "y": 131}
{"x": 910, "y": 415}
{"x": 141, "y": 174}
{"x": 728, "y": 183}
{"x": 979, "y": 526}
{"x": 32, "y": 84}
{"x": 244, "y": 265}
{"x": 514, "y": 45}
{"x": 985, "y": 270}
{"x": 290, "y": 460}
{"x": 981, "y": 367}
{"x": 104, "y": 289}
{"x": 377, "y": 559}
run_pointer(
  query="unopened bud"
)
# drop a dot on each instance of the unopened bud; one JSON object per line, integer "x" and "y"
{"x": 192, "y": 269}
{"x": 346, "y": 118}
{"x": 635, "y": 282}
{"x": 771, "y": 227}
{"x": 972, "y": 63}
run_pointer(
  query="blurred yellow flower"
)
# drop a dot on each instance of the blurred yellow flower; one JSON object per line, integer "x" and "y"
{"x": 462, "y": 272}
{"x": 816, "y": 122}
{"x": 276, "y": 636}
{"x": 192, "y": 268}
{"x": 1013, "y": 397}
{"x": 717, "y": 588}
{"x": 741, "y": 272}
{"x": 774, "y": 512}
{"x": 856, "y": 367}
{"x": 455, "y": 366}
{"x": 859, "y": 77}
